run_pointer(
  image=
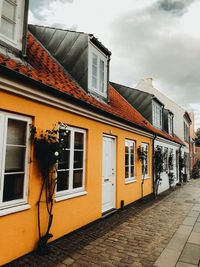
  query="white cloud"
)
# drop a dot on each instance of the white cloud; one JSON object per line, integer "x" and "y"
{"x": 147, "y": 38}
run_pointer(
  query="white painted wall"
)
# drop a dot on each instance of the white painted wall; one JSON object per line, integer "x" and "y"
{"x": 147, "y": 86}
{"x": 178, "y": 122}
{"x": 164, "y": 185}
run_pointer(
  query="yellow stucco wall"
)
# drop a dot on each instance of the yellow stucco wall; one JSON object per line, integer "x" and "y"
{"x": 18, "y": 231}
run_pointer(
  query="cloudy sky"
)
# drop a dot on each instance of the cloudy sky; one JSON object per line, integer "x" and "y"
{"x": 147, "y": 38}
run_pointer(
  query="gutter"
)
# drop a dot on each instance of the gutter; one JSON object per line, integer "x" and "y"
{"x": 66, "y": 97}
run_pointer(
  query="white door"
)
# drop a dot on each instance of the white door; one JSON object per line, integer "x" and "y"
{"x": 108, "y": 182}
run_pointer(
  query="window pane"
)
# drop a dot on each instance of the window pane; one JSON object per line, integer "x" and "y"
{"x": 63, "y": 163}
{"x": 78, "y": 178}
{"x": 126, "y": 159}
{"x": 94, "y": 70}
{"x": 64, "y": 136}
{"x": 62, "y": 180}
{"x": 13, "y": 187}
{"x": 132, "y": 171}
{"x": 16, "y": 134}
{"x": 14, "y": 159}
{"x": 126, "y": 148}
{"x": 78, "y": 140}
{"x": 132, "y": 159}
{"x": 126, "y": 172}
{"x": 101, "y": 76}
{"x": 78, "y": 159}
{"x": 9, "y": 10}
{"x": 7, "y": 28}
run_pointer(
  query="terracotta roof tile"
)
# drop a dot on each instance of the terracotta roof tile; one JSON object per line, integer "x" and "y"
{"x": 46, "y": 70}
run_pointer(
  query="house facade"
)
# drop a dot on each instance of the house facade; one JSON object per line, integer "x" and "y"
{"x": 100, "y": 169}
{"x": 181, "y": 123}
{"x": 168, "y": 146}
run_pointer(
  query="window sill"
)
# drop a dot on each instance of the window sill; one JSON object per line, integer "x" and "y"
{"x": 146, "y": 178}
{"x": 7, "y": 211}
{"x": 64, "y": 197}
{"x": 130, "y": 181}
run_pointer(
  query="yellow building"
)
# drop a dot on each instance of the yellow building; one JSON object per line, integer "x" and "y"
{"x": 100, "y": 170}
{"x": 94, "y": 179}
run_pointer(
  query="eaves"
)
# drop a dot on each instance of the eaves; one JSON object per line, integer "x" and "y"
{"x": 19, "y": 84}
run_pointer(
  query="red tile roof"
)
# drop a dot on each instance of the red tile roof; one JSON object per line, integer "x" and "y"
{"x": 45, "y": 69}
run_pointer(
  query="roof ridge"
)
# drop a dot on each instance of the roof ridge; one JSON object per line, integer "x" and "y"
{"x": 60, "y": 29}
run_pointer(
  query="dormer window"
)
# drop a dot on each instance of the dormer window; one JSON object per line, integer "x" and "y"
{"x": 97, "y": 74}
{"x": 11, "y": 22}
{"x": 157, "y": 115}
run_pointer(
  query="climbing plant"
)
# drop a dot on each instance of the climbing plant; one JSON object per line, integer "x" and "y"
{"x": 158, "y": 165}
{"x": 48, "y": 148}
{"x": 171, "y": 166}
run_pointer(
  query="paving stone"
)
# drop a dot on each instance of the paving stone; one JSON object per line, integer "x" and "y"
{"x": 194, "y": 213}
{"x": 196, "y": 227}
{"x": 68, "y": 261}
{"x": 60, "y": 265}
{"x": 182, "y": 264}
{"x": 194, "y": 238}
{"x": 189, "y": 221}
{"x": 184, "y": 230}
{"x": 168, "y": 258}
{"x": 190, "y": 254}
{"x": 196, "y": 207}
{"x": 177, "y": 242}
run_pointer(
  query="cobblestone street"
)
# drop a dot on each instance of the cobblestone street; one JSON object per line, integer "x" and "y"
{"x": 135, "y": 236}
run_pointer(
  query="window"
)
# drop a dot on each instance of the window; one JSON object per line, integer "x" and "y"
{"x": 11, "y": 21}
{"x": 97, "y": 80}
{"x": 71, "y": 167}
{"x": 170, "y": 124}
{"x": 13, "y": 159}
{"x": 157, "y": 115}
{"x": 129, "y": 160}
{"x": 145, "y": 165}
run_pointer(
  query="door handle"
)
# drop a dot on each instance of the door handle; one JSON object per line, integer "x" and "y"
{"x": 106, "y": 180}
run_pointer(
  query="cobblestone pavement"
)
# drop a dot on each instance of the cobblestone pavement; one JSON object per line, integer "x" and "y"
{"x": 135, "y": 236}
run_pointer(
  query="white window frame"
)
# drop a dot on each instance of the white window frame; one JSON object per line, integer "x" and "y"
{"x": 144, "y": 145}
{"x": 100, "y": 56}
{"x": 157, "y": 115}
{"x": 129, "y": 143}
{"x": 65, "y": 194}
{"x": 170, "y": 124}
{"x": 16, "y": 42}
{"x": 4, "y": 116}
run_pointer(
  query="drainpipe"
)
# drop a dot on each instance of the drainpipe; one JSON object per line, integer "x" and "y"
{"x": 153, "y": 167}
{"x": 25, "y": 28}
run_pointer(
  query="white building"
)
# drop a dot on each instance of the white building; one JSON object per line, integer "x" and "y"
{"x": 166, "y": 148}
{"x": 181, "y": 119}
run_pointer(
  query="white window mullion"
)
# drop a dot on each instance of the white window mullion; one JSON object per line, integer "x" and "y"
{"x": 71, "y": 165}
{"x": 26, "y": 162}
{"x": 129, "y": 160}
{"x": 2, "y": 154}
{"x": 84, "y": 158}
